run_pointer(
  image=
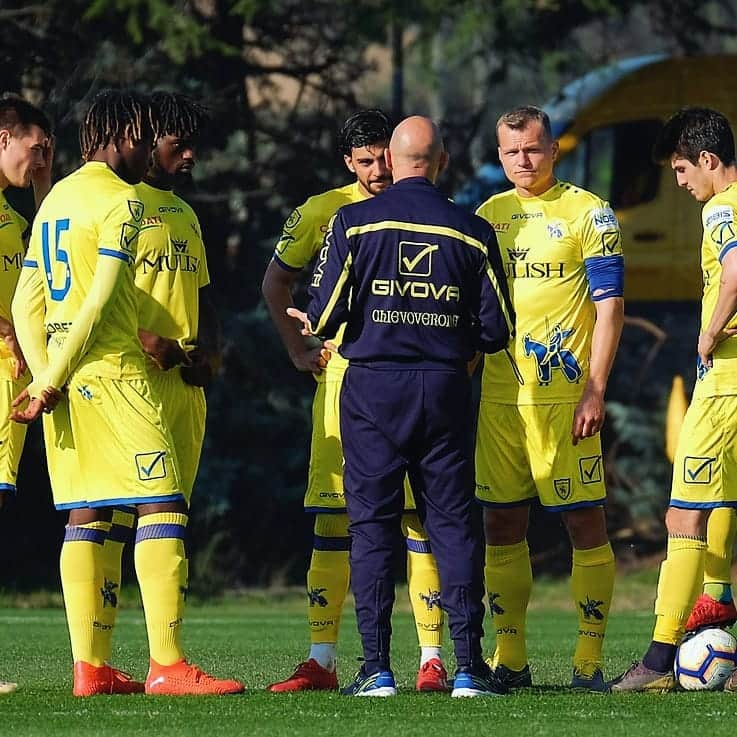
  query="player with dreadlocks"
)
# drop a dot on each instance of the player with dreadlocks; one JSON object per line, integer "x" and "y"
{"x": 76, "y": 315}
{"x": 177, "y": 323}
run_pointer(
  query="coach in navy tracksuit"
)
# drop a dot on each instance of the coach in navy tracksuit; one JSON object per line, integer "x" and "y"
{"x": 420, "y": 285}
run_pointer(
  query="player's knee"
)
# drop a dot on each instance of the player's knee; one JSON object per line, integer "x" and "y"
{"x": 686, "y": 522}
{"x": 586, "y": 527}
{"x": 505, "y": 525}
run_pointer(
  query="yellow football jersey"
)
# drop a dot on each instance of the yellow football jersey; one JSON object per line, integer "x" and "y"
{"x": 545, "y": 242}
{"x": 302, "y": 237}
{"x": 92, "y": 214}
{"x": 12, "y": 249}
{"x": 719, "y": 218}
{"x": 171, "y": 266}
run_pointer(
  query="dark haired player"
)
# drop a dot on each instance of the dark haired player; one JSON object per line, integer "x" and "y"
{"x": 363, "y": 140}
{"x": 26, "y": 153}
{"x": 699, "y": 146}
{"x": 76, "y": 315}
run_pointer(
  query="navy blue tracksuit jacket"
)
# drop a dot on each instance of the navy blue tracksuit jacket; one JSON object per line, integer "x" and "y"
{"x": 419, "y": 283}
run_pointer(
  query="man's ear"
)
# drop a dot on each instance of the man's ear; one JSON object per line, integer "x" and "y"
{"x": 4, "y": 137}
{"x": 349, "y": 163}
{"x": 444, "y": 159}
{"x": 388, "y": 158}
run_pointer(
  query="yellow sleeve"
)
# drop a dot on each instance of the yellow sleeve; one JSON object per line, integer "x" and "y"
{"x": 204, "y": 273}
{"x": 599, "y": 232}
{"x": 301, "y": 236}
{"x": 720, "y": 227}
{"x": 116, "y": 252}
{"x": 29, "y": 310}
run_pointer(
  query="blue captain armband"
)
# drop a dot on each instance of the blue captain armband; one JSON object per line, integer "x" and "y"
{"x": 605, "y": 275}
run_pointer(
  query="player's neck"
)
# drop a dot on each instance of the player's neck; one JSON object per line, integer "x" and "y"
{"x": 4, "y": 181}
{"x": 724, "y": 177}
{"x": 536, "y": 190}
{"x": 159, "y": 182}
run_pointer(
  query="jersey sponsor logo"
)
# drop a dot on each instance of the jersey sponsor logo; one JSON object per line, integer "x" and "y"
{"x": 426, "y": 319}
{"x": 58, "y": 327}
{"x": 562, "y": 488}
{"x": 415, "y": 289}
{"x": 171, "y": 209}
{"x": 5, "y": 219}
{"x": 551, "y": 355}
{"x": 415, "y": 259}
{"x": 526, "y": 215}
{"x": 151, "y": 221}
{"x": 555, "y": 229}
{"x": 171, "y": 262}
{"x": 135, "y": 207}
{"x": 517, "y": 254}
{"x": 179, "y": 246}
{"x": 535, "y": 269}
{"x": 590, "y": 469}
{"x": 720, "y": 214}
{"x": 14, "y": 262}
{"x": 698, "y": 469}
{"x": 151, "y": 465}
{"x": 604, "y": 219}
{"x": 500, "y": 227}
{"x": 322, "y": 257}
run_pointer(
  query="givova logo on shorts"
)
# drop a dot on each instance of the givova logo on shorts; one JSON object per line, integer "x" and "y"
{"x": 151, "y": 465}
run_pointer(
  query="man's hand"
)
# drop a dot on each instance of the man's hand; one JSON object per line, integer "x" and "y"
{"x": 314, "y": 359}
{"x": 19, "y": 361}
{"x": 708, "y": 343}
{"x": 36, "y": 407}
{"x": 200, "y": 369}
{"x": 164, "y": 352}
{"x": 589, "y": 415}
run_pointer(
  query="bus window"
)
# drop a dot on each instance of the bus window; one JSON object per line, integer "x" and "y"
{"x": 615, "y": 162}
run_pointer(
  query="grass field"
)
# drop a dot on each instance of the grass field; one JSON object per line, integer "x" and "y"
{"x": 260, "y": 639}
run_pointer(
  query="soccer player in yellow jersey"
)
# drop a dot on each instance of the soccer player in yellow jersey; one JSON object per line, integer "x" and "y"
{"x": 26, "y": 154}
{"x": 171, "y": 280}
{"x": 542, "y": 404}
{"x": 699, "y": 145}
{"x": 107, "y": 444}
{"x": 363, "y": 138}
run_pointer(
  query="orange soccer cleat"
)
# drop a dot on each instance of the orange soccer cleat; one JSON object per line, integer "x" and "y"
{"x": 307, "y": 676}
{"x": 94, "y": 680}
{"x": 432, "y": 676}
{"x": 183, "y": 679}
{"x": 708, "y": 612}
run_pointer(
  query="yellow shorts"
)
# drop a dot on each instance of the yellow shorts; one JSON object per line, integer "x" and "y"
{"x": 12, "y": 434}
{"x": 325, "y": 481}
{"x": 526, "y": 451}
{"x": 107, "y": 445}
{"x": 184, "y": 411}
{"x": 705, "y": 465}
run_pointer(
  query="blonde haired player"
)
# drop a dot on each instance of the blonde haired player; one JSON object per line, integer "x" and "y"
{"x": 76, "y": 316}
{"x": 363, "y": 139}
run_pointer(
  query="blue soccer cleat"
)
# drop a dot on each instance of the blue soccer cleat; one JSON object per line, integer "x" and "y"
{"x": 478, "y": 680}
{"x": 379, "y": 684}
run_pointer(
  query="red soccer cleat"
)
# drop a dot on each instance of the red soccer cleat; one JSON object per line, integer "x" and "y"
{"x": 708, "y": 612}
{"x": 432, "y": 676}
{"x": 93, "y": 680}
{"x": 307, "y": 676}
{"x": 183, "y": 679}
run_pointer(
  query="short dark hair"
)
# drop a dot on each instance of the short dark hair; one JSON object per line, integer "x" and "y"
{"x": 179, "y": 115}
{"x": 521, "y": 116}
{"x": 17, "y": 114}
{"x": 693, "y": 130}
{"x": 364, "y": 128}
{"x": 117, "y": 114}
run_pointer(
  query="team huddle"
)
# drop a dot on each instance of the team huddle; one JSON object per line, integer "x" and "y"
{"x": 109, "y": 336}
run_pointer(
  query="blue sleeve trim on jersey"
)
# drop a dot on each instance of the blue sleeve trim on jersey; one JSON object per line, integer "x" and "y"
{"x": 605, "y": 275}
{"x": 332, "y": 544}
{"x": 7, "y": 488}
{"x": 418, "y": 546}
{"x": 115, "y": 254}
{"x": 726, "y": 250}
{"x": 31, "y": 263}
{"x": 286, "y": 267}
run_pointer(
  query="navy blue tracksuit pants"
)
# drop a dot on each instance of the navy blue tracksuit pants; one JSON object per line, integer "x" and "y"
{"x": 397, "y": 419}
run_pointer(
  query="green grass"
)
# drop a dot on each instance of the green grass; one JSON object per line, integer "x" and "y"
{"x": 259, "y": 639}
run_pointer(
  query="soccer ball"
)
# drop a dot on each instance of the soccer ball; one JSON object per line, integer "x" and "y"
{"x": 706, "y": 659}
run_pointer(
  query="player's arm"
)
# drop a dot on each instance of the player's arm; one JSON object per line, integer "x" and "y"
{"x": 724, "y": 310}
{"x": 204, "y": 360}
{"x": 277, "y": 288}
{"x": 166, "y": 353}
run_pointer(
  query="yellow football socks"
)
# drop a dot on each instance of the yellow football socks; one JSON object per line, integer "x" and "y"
{"x": 81, "y": 579}
{"x": 681, "y": 574}
{"x": 423, "y": 582}
{"x": 111, "y": 557}
{"x": 592, "y": 583}
{"x": 719, "y": 546}
{"x": 161, "y": 567}
{"x": 327, "y": 579}
{"x": 508, "y": 576}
